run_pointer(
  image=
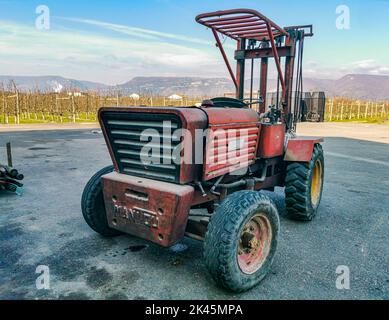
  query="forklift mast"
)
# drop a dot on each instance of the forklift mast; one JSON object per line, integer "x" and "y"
{"x": 258, "y": 37}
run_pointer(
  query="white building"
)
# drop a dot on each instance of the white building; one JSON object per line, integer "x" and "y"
{"x": 135, "y": 96}
{"x": 75, "y": 94}
{"x": 175, "y": 97}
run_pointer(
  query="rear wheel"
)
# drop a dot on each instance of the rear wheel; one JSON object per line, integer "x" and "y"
{"x": 92, "y": 205}
{"x": 241, "y": 240}
{"x": 304, "y": 186}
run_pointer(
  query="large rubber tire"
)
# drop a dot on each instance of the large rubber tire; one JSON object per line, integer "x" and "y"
{"x": 300, "y": 203}
{"x": 92, "y": 205}
{"x": 222, "y": 240}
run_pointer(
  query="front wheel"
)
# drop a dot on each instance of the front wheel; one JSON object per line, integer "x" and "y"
{"x": 92, "y": 205}
{"x": 241, "y": 240}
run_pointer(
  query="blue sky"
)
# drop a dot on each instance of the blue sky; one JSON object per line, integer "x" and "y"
{"x": 113, "y": 41}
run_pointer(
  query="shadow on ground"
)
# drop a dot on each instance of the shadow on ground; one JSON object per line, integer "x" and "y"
{"x": 45, "y": 227}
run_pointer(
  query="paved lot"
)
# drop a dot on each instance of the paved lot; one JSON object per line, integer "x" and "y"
{"x": 45, "y": 227}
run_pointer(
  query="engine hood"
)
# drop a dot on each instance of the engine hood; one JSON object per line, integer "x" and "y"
{"x": 230, "y": 116}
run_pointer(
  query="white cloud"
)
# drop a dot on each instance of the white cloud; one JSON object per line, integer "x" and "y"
{"x": 363, "y": 63}
{"x": 25, "y": 50}
{"x": 370, "y": 66}
{"x": 138, "y": 32}
{"x": 367, "y": 66}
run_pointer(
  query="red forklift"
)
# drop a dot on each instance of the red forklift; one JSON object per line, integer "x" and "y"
{"x": 199, "y": 194}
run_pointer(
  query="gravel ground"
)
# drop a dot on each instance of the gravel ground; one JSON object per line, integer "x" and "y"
{"x": 45, "y": 227}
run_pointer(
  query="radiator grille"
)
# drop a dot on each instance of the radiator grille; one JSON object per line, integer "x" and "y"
{"x": 126, "y": 135}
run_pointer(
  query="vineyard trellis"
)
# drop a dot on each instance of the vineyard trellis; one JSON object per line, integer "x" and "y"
{"x": 342, "y": 109}
{"x": 73, "y": 106}
{"x": 70, "y": 106}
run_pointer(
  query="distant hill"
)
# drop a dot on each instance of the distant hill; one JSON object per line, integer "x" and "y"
{"x": 50, "y": 83}
{"x": 357, "y": 86}
{"x": 190, "y": 86}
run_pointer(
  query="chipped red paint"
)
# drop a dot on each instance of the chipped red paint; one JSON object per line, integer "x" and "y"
{"x": 221, "y": 159}
{"x": 230, "y": 116}
{"x": 272, "y": 142}
{"x": 300, "y": 148}
{"x": 227, "y": 126}
{"x": 152, "y": 210}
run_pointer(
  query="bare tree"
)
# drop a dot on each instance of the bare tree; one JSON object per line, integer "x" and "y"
{"x": 17, "y": 106}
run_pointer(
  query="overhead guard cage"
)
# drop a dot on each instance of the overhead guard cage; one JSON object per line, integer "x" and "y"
{"x": 248, "y": 28}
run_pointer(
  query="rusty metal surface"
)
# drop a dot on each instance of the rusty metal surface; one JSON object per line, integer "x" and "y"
{"x": 240, "y": 69}
{"x": 245, "y": 26}
{"x": 199, "y": 198}
{"x": 277, "y": 61}
{"x": 197, "y": 228}
{"x": 289, "y": 75}
{"x": 301, "y": 148}
{"x": 264, "y": 53}
{"x": 275, "y": 176}
{"x": 152, "y": 210}
{"x": 241, "y": 23}
{"x": 225, "y": 58}
{"x": 272, "y": 140}
{"x": 230, "y": 116}
{"x": 263, "y": 74}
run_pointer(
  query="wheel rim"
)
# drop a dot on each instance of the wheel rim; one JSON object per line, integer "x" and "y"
{"x": 254, "y": 244}
{"x": 316, "y": 183}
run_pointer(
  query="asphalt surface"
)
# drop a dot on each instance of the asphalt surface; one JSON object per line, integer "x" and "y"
{"x": 45, "y": 227}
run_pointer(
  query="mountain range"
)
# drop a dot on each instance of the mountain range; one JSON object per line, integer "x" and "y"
{"x": 356, "y": 86}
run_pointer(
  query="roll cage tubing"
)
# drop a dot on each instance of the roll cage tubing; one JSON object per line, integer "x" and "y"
{"x": 246, "y": 24}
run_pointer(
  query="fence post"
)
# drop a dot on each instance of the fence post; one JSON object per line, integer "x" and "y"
{"x": 366, "y": 109}
{"x": 17, "y": 103}
{"x": 56, "y": 107}
{"x": 5, "y": 118}
{"x": 331, "y": 108}
{"x": 351, "y": 111}
{"x": 336, "y": 114}
{"x": 9, "y": 154}
{"x": 17, "y": 108}
{"x": 73, "y": 110}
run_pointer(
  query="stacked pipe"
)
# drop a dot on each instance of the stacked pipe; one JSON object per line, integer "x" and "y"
{"x": 10, "y": 177}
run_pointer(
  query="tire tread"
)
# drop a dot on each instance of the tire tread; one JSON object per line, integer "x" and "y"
{"x": 92, "y": 204}
{"x": 297, "y": 187}
{"x": 221, "y": 238}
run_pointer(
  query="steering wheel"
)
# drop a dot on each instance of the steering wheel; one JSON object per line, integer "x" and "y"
{"x": 222, "y": 102}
